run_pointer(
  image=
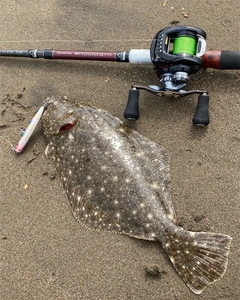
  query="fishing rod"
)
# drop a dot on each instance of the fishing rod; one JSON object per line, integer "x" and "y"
{"x": 175, "y": 52}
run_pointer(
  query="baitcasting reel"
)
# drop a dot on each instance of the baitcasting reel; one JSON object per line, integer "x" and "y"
{"x": 176, "y": 53}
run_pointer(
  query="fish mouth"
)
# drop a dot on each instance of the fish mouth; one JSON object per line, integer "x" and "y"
{"x": 67, "y": 127}
{"x": 61, "y": 129}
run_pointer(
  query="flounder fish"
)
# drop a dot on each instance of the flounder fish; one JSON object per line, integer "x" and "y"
{"x": 117, "y": 180}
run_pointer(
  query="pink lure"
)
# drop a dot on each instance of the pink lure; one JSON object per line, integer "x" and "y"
{"x": 28, "y": 132}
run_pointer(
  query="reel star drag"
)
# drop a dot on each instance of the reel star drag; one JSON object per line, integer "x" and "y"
{"x": 175, "y": 52}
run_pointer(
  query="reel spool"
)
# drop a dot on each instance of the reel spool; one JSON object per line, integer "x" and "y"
{"x": 178, "y": 49}
{"x": 176, "y": 54}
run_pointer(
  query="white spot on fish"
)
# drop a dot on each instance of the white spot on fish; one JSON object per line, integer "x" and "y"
{"x": 127, "y": 180}
{"x": 115, "y": 178}
{"x": 139, "y": 154}
{"x": 155, "y": 186}
{"x": 121, "y": 129}
{"x": 149, "y": 216}
{"x": 115, "y": 143}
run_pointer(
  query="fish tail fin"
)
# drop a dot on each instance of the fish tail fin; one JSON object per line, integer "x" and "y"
{"x": 200, "y": 258}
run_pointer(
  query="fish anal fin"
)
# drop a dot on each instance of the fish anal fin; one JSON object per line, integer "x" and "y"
{"x": 200, "y": 258}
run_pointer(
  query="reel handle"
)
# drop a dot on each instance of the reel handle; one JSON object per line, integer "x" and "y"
{"x": 201, "y": 116}
{"x": 132, "y": 109}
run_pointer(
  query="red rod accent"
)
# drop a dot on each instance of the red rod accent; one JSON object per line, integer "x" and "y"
{"x": 84, "y": 55}
{"x": 211, "y": 59}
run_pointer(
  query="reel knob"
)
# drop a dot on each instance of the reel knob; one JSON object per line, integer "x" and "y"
{"x": 201, "y": 117}
{"x": 132, "y": 109}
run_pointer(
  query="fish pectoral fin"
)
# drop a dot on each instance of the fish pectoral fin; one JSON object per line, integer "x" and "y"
{"x": 50, "y": 151}
{"x": 200, "y": 258}
{"x": 47, "y": 151}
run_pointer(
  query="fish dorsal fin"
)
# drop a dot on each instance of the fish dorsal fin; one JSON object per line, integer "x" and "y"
{"x": 158, "y": 158}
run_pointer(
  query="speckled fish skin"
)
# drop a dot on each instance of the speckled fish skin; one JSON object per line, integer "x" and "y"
{"x": 117, "y": 180}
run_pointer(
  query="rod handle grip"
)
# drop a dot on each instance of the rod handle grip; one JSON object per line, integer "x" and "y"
{"x": 223, "y": 60}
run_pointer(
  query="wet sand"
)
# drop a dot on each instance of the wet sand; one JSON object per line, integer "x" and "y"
{"x": 45, "y": 253}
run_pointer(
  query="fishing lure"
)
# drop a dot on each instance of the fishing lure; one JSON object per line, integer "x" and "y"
{"x": 30, "y": 129}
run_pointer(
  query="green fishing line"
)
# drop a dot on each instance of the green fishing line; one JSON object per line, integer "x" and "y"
{"x": 184, "y": 45}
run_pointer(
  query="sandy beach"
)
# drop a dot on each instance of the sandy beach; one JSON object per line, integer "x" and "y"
{"x": 45, "y": 253}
